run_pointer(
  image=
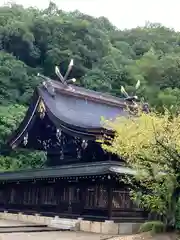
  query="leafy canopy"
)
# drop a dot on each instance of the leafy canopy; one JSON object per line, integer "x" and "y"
{"x": 150, "y": 144}
{"x": 10, "y": 117}
{"x": 33, "y": 40}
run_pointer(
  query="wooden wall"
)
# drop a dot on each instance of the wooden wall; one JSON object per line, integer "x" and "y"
{"x": 89, "y": 199}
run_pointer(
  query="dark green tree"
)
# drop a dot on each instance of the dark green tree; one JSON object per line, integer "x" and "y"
{"x": 10, "y": 117}
{"x": 105, "y": 57}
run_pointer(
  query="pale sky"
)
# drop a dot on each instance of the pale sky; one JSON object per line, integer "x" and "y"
{"x": 122, "y": 13}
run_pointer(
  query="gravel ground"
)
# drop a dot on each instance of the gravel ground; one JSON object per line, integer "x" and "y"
{"x": 147, "y": 236}
{"x": 74, "y": 236}
{"x": 11, "y": 228}
{"x": 50, "y": 236}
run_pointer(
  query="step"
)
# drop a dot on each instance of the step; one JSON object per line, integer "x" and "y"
{"x": 29, "y": 229}
{"x": 65, "y": 224}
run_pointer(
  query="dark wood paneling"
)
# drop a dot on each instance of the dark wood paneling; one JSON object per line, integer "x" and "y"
{"x": 84, "y": 198}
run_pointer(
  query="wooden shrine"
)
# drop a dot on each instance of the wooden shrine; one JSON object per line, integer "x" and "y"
{"x": 80, "y": 179}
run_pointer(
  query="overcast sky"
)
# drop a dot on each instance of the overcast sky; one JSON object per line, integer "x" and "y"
{"x": 122, "y": 13}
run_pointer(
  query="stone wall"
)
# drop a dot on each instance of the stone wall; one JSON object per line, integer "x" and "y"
{"x": 106, "y": 227}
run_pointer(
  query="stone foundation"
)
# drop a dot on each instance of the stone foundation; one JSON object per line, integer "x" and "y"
{"x": 106, "y": 227}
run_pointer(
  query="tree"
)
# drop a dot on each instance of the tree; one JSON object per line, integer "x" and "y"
{"x": 33, "y": 41}
{"x": 10, "y": 117}
{"x": 105, "y": 57}
{"x": 150, "y": 144}
{"x": 16, "y": 80}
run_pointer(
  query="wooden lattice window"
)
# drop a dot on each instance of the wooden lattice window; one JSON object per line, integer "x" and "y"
{"x": 90, "y": 197}
{"x": 48, "y": 196}
{"x": 74, "y": 194}
{"x": 2, "y": 197}
{"x": 102, "y": 200}
{"x": 12, "y": 196}
{"x": 64, "y": 195}
{"x": 121, "y": 199}
{"x": 70, "y": 194}
{"x": 35, "y": 195}
{"x": 27, "y": 196}
{"x": 96, "y": 197}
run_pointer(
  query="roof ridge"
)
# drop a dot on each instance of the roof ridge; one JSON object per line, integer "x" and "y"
{"x": 82, "y": 92}
{"x": 75, "y": 165}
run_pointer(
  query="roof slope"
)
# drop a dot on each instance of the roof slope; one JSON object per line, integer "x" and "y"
{"x": 73, "y": 170}
{"x": 81, "y": 108}
{"x": 73, "y": 109}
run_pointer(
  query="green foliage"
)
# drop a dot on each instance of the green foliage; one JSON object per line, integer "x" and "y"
{"x": 10, "y": 117}
{"x": 150, "y": 144}
{"x": 105, "y": 57}
{"x": 33, "y": 41}
{"x": 22, "y": 160}
{"x": 177, "y": 225}
{"x": 153, "y": 227}
{"x": 16, "y": 81}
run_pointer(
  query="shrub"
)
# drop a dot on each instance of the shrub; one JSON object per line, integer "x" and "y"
{"x": 153, "y": 227}
{"x": 177, "y": 220}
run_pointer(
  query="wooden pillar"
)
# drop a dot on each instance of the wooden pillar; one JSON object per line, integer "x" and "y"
{"x": 39, "y": 196}
{"x": 6, "y": 196}
{"x": 110, "y": 196}
{"x": 21, "y": 196}
{"x": 83, "y": 193}
{"x": 58, "y": 191}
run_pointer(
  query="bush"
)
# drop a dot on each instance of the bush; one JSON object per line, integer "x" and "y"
{"x": 153, "y": 227}
{"x": 177, "y": 220}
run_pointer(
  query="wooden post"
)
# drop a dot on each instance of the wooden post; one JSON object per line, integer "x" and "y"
{"x": 82, "y": 196}
{"x": 109, "y": 189}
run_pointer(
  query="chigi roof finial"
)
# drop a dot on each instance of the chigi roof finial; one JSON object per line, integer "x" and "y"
{"x": 64, "y": 79}
{"x": 47, "y": 83}
{"x": 134, "y": 97}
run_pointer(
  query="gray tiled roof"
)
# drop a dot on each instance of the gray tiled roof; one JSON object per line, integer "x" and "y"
{"x": 75, "y": 110}
{"x": 83, "y": 169}
{"x": 81, "y": 112}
